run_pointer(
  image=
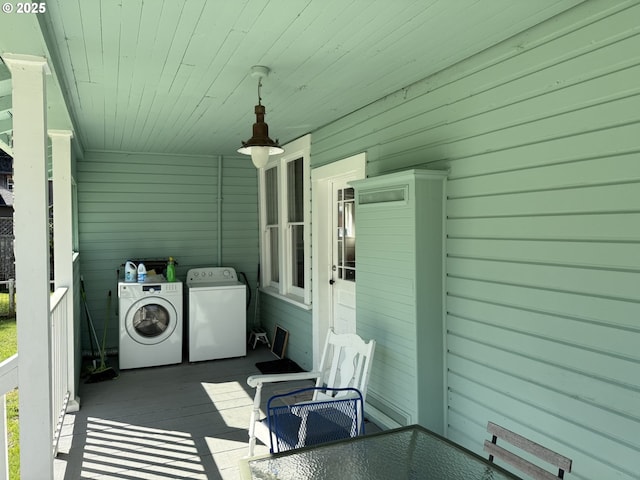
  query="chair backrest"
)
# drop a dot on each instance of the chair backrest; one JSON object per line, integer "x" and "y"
{"x": 562, "y": 463}
{"x": 346, "y": 363}
{"x": 296, "y": 425}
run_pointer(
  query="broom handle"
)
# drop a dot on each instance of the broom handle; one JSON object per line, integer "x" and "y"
{"x": 103, "y": 351}
{"x": 86, "y": 309}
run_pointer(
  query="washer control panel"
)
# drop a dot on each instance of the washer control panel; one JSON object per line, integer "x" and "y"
{"x": 211, "y": 275}
{"x": 137, "y": 290}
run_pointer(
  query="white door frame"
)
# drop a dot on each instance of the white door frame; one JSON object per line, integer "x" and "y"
{"x": 322, "y": 235}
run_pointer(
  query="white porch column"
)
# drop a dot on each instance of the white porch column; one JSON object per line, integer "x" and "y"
{"x": 32, "y": 263}
{"x": 63, "y": 242}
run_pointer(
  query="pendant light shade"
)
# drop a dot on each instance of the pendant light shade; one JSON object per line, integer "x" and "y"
{"x": 259, "y": 155}
{"x": 260, "y": 146}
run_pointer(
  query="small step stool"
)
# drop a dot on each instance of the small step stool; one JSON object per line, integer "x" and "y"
{"x": 258, "y": 335}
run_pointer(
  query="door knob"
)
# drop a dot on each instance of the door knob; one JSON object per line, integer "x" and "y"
{"x": 332, "y": 281}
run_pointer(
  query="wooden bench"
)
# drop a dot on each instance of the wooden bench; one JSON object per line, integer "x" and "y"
{"x": 559, "y": 461}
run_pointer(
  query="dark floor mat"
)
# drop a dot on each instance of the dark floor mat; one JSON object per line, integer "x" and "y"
{"x": 281, "y": 365}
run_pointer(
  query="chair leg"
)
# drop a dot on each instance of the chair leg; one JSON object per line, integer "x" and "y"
{"x": 255, "y": 415}
{"x": 494, "y": 440}
{"x": 252, "y": 445}
{"x": 258, "y": 336}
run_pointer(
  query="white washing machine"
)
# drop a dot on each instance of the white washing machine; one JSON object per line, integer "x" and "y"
{"x": 151, "y": 326}
{"x": 217, "y": 314}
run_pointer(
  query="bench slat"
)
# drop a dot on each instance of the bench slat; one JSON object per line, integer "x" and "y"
{"x": 518, "y": 462}
{"x": 530, "y": 446}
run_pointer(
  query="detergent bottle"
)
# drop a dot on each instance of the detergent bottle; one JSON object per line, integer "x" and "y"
{"x": 130, "y": 271}
{"x": 171, "y": 270}
{"x": 142, "y": 273}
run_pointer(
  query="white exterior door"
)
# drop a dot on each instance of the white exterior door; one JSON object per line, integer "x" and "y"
{"x": 343, "y": 268}
{"x": 333, "y": 267}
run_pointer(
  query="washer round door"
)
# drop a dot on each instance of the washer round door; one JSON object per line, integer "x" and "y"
{"x": 151, "y": 320}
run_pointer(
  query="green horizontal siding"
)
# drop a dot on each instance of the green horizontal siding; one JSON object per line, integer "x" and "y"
{"x": 239, "y": 220}
{"x": 540, "y": 136}
{"x": 297, "y": 321}
{"x": 134, "y": 205}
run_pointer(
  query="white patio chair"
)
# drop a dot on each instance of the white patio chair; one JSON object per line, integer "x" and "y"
{"x": 345, "y": 363}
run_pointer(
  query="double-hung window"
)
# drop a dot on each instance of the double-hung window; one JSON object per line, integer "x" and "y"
{"x": 284, "y": 222}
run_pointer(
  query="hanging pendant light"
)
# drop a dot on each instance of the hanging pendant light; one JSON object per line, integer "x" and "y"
{"x": 260, "y": 146}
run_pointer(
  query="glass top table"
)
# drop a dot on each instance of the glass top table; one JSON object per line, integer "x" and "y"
{"x": 404, "y": 453}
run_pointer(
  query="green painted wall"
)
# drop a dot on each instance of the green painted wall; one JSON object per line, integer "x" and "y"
{"x": 541, "y": 135}
{"x": 156, "y": 206}
{"x": 274, "y": 311}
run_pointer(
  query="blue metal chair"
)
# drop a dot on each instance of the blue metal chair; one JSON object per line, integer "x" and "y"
{"x": 295, "y": 425}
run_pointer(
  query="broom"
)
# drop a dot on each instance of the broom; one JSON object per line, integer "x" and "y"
{"x": 102, "y": 371}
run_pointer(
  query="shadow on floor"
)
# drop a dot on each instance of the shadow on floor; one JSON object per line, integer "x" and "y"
{"x": 177, "y": 421}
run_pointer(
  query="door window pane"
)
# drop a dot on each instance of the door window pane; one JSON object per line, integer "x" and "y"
{"x": 346, "y": 235}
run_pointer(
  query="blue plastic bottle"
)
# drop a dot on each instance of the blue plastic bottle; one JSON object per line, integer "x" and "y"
{"x": 142, "y": 273}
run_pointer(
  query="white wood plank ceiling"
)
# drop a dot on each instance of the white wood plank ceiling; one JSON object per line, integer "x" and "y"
{"x": 174, "y": 75}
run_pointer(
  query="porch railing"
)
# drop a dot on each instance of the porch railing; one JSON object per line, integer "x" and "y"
{"x": 60, "y": 312}
{"x": 8, "y": 382}
{"x": 59, "y": 316}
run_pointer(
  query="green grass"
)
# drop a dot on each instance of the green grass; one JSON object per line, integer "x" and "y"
{"x": 8, "y": 347}
{"x": 4, "y": 305}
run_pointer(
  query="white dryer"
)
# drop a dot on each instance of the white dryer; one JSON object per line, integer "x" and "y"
{"x": 217, "y": 314}
{"x": 151, "y": 326}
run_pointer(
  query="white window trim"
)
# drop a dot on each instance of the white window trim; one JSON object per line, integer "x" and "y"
{"x": 74, "y": 213}
{"x": 300, "y": 148}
